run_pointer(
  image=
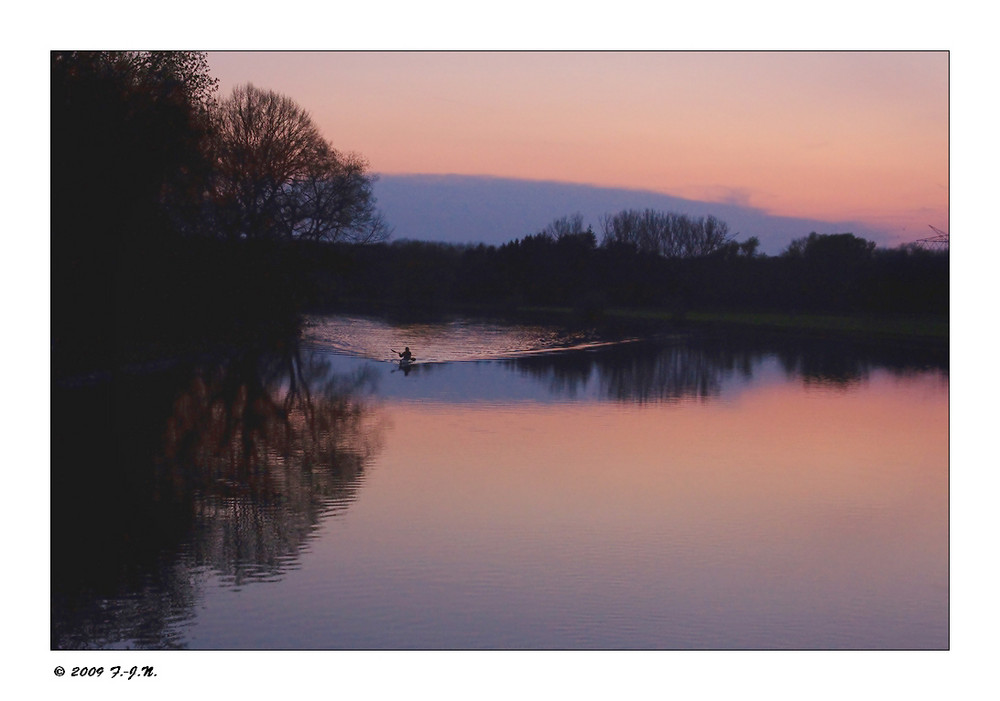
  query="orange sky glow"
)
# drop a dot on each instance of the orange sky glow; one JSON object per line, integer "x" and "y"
{"x": 859, "y": 136}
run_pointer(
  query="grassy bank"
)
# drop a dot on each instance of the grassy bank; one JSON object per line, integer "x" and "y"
{"x": 933, "y": 329}
{"x": 900, "y": 327}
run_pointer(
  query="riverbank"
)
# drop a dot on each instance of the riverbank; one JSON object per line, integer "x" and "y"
{"x": 929, "y": 328}
{"x": 925, "y": 329}
{"x": 903, "y": 328}
{"x": 928, "y": 331}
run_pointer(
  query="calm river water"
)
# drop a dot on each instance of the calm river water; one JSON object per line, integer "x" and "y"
{"x": 519, "y": 487}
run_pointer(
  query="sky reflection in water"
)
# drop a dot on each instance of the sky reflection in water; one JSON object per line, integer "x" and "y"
{"x": 674, "y": 494}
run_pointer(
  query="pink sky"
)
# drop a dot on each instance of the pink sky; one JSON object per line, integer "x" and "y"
{"x": 834, "y": 136}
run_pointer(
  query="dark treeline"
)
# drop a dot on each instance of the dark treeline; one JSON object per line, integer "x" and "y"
{"x": 179, "y": 220}
{"x": 838, "y": 273}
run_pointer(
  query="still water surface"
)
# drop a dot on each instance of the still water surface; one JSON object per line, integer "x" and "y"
{"x": 519, "y": 487}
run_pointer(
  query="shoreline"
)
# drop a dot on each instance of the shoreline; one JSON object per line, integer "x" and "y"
{"x": 927, "y": 331}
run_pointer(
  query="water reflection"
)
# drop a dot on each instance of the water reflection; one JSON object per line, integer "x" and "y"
{"x": 700, "y": 367}
{"x": 223, "y": 472}
{"x": 226, "y": 466}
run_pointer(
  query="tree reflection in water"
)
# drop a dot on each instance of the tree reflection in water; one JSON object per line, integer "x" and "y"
{"x": 697, "y": 367}
{"x": 228, "y": 466}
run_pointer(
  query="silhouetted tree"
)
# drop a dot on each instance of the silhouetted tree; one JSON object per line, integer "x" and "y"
{"x": 667, "y": 234}
{"x": 749, "y": 247}
{"x": 736, "y": 249}
{"x": 129, "y": 136}
{"x": 831, "y": 248}
{"x": 130, "y": 165}
{"x": 826, "y": 272}
{"x": 278, "y": 178}
{"x": 571, "y": 225}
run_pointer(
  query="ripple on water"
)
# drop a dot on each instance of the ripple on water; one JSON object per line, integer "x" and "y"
{"x": 457, "y": 340}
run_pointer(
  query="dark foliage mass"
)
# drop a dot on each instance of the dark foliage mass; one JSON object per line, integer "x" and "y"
{"x": 130, "y": 133}
{"x": 179, "y": 220}
{"x": 838, "y": 273}
{"x": 171, "y": 227}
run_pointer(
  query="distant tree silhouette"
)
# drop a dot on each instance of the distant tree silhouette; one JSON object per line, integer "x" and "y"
{"x": 842, "y": 275}
{"x": 828, "y": 271}
{"x": 831, "y": 248}
{"x": 571, "y": 225}
{"x": 735, "y": 249}
{"x": 278, "y": 178}
{"x": 667, "y": 234}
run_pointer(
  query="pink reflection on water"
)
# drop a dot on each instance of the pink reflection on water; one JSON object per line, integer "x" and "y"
{"x": 790, "y": 517}
{"x": 787, "y": 517}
